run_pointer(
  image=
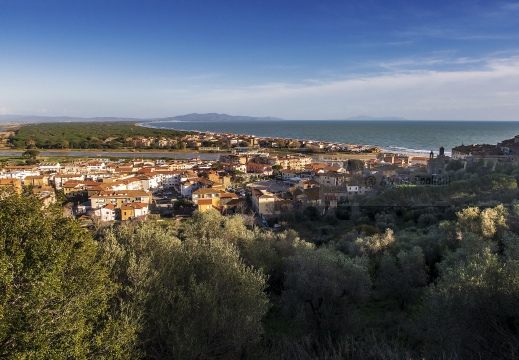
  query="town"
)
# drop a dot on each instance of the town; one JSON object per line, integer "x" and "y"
{"x": 250, "y": 179}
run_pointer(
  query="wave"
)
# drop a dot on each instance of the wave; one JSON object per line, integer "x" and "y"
{"x": 405, "y": 150}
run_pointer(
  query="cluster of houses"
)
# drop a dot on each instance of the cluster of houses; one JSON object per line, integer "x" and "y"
{"x": 506, "y": 151}
{"x": 303, "y": 194}
{"x": 115, "y": 190}
{"x": 246, "y": 160}
{"x": 123, "y": 190}
{"x": 206, "y": 141}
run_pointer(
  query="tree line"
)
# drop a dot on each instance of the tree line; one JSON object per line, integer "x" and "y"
{"x": 84, "y": 135}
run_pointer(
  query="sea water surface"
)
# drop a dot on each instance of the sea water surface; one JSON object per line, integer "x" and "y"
{"x": 405, "y": 136}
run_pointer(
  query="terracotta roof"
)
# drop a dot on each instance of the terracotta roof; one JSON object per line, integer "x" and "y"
{"x": 110, "y": 207}
{"x": 257, "y": 165}
{"x": 134, "y": 206}
{"x": 146, "y": 170}
{"x": 235, "y": 202}
{"x": 228, "y": 195}
{"x": 205, "y": 181}
{"x": 99, "y": 187}
{"x": 205, "y": 202}
{"x": 124, "y": 169}
{"x": 203, "y": 191}
{"x": 64, "y": 176}
{"x": 81, "y": 182}
{"x": 121, "y": 194}
{"x": 72, "y": 186}
{"x": 10, "y": 181}
{"x": 39, "y": 189}
{"x": 312, "y": 194}
{"x": 257, "y": 192}
{"x": 22, "y": 167}
{"x": 126, "y": 181}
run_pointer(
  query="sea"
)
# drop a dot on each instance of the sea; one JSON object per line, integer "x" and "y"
{"x": 398, "y": 136}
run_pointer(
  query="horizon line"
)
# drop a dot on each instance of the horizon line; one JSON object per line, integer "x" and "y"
{"x": 157, "y": 119}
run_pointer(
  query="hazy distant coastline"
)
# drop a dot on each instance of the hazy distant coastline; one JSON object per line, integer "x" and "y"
{"x": 207, "y": 117}
{"x": 187, "y": 117}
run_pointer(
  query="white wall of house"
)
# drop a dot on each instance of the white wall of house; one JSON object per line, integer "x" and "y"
{"x": 105, "y": 214}
{"x": 50, "y": 167}
{"x": 187, "y": 188}
{"x": 96, "y": 166}
{"x": 21, "y": 174}
{"x": 141, "y": 212}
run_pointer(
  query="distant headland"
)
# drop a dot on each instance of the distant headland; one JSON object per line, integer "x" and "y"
{"x": 218, "y": 117}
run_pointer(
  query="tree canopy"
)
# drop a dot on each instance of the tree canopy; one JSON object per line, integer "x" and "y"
{"x": 56, "y": 297}
{"x": 195, "y": 299}
{"x": 84, "y": 135}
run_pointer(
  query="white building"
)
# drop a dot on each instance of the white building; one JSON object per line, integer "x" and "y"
{"x": 49, "y": 167}
{"x": 106, "y": 213}
{"x": 95, "y": 165}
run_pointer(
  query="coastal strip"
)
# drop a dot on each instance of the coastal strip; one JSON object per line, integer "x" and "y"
{"x": 396, "y": 150}
{"x": 308, "y": 144}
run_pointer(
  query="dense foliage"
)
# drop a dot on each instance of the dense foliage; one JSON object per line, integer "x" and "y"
{"x": 56, "y": 297}
{"x": 194, "y": 299}
{"x": 91, "y": 135}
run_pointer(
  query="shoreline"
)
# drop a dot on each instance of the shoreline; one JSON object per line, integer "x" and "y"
{"x": 410, "y": 153}
{"x": 136, "y": 152}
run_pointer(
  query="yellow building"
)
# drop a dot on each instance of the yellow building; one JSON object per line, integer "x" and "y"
{"x": 225, "y": 180}
{"x": 206, "y": 198}
{"x": 14, "y": 184}
{"x": 210, "y": 198}
{"x": 206, "y": 204}
{"x": 263, "y": 202}
{"x": 37, "y": 180}
{"x": 133, "y": 210}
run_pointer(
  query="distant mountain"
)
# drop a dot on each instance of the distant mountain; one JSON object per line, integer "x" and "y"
{"x": 217, "y": 117}
{"x": 364, "y": 117}
{"x": 189, "y": 117}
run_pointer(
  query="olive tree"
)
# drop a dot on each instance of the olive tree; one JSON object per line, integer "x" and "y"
{"x": 194, "y": 299}
{"x": 472, "y": 311}
{"x": 372, "y": 245}
{"x": 56, "y": 296}
{"x": 402, "y": 278}
{"x": 323, "y": 289}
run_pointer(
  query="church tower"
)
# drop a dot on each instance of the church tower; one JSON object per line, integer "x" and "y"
{"x": 436, "y": 165}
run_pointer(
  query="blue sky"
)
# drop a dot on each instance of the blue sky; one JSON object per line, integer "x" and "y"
{"x": 291, "y": 59}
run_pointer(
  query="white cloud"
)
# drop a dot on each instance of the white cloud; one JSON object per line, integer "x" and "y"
{"x": 511, "y": 6}
{"x": 490, "y": 92}
{"x": 440, "y": 87}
